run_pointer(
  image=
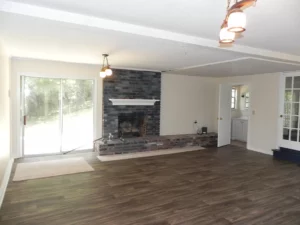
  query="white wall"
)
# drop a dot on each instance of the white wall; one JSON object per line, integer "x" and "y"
{"x": 185, "y": 99}
{"x": 4, "y": 113}
{"x": 31, "y": 67}
{"x": 264, "y": 101}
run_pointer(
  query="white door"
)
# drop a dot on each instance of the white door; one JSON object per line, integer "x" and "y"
{"x": 224, "y": 115}
{"x": 289, "y": 123}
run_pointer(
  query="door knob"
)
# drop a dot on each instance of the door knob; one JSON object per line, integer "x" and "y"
{"x": 221, "y": 118}
{"x": 281, "y": 116}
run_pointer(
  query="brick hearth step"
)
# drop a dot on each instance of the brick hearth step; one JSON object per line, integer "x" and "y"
{"x": 150, "y": 143}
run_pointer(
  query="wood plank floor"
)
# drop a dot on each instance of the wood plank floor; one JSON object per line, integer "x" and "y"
{"x": 222, "y": 186}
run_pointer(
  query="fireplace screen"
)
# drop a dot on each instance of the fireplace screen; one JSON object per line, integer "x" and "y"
{"x": 132, "y": 125}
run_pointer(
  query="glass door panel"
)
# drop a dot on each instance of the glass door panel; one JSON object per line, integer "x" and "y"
{"x": 296, "y": 82}
{"x": 295, "y": 109}
{"x": 286, "y": 134}
{"x": 288, "y": 108}
{"x": 294, "y": 135}
{"x": 290, "y": 132}
{"x": 288, "y": 82}
{"x": 288, "y": 96}
{"x": 296, "y": 95}
{"x": 41, "y": 116}
{"x": 77, "y": 114}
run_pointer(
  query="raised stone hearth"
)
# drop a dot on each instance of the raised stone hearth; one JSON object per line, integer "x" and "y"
{"x": 149, "y": 143}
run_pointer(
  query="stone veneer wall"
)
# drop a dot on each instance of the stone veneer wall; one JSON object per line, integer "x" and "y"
{"x": 133, "y": 85}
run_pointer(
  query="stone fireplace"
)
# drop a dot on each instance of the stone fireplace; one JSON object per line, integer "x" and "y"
{"x": 132, "y": 124}
{"x": 131, "y": 120}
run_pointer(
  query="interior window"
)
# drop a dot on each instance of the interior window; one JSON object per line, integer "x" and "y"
{"x": 233, "y": 98}
{"x": 247, "y": 100}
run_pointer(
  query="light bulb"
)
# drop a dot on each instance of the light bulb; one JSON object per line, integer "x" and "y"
{"x": 108, "y": 72}
{"x": 226, "y": 36}
{"x": 102, "y": 74}
{"x": 237, "y": 21}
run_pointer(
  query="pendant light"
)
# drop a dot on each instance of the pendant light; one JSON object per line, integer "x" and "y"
{"x": 226, "y": 37}
{"x": 106, "y": 71}
{"x": 237, "y": 21}
{"x": 102, "y": 73}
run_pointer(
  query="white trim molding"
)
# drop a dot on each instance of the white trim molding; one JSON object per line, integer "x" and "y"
{"x": 5, "y": 180}
{"x": 133, "y": 101}
{"x": 233, "y": 60}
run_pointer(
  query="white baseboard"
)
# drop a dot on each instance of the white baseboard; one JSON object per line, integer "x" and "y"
{"x": 5, "y": 180}
{"x": 260, "y": 151}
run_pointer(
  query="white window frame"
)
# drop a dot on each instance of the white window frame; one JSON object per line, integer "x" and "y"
{"x": 247, "y": 100}
{"x": 233, "y": 98}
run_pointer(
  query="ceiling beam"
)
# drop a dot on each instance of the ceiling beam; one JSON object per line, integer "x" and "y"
{"x": 91, "y": 21}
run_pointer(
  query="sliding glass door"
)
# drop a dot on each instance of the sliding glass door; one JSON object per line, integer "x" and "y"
{"x": 77, "y": 115}
{"x": 42, "y": 116}
{"x": 57, "y": 115}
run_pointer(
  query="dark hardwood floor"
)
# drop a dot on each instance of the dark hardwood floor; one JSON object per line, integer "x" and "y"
{"x": 222, "y": 186}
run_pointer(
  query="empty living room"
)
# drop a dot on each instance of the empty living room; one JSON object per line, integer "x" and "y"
{"x": 141, "y": 112}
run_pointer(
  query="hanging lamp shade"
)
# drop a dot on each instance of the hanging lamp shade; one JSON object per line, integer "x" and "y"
{"x": 226, "y": 37}
{"x": 102, "y": 73}
{"x": 108, "y": 71}
{"x": 237, "y": 21}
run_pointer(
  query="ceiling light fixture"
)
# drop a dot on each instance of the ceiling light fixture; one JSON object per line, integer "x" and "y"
{"x": 235, "y": 20}
{"x": 106, "y": 71}
{"x": 226, "y": 36}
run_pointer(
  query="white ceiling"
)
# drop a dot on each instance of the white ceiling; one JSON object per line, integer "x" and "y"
{"x": 272, "y": 24}
{"x": 45, "y": 39}
{"x": 188, "y": 17}
{"x": 194, "y": 44}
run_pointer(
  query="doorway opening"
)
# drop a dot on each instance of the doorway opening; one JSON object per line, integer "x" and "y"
{"x": 240, "y": 103}
{"x": 57, "y": 115}
{"x": 234, "y": 113}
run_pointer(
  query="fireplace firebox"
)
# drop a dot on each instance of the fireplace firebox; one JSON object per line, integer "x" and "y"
{"x": 131, "y": 124}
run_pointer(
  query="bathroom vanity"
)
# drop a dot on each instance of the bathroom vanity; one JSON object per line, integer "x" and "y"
{"x": 239, "y": 129}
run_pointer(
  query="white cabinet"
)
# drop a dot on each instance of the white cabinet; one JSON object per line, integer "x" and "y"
{"x": 239, "y": 129}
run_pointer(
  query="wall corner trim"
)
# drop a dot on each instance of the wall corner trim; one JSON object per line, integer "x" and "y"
{"x": 5, "y": 180}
